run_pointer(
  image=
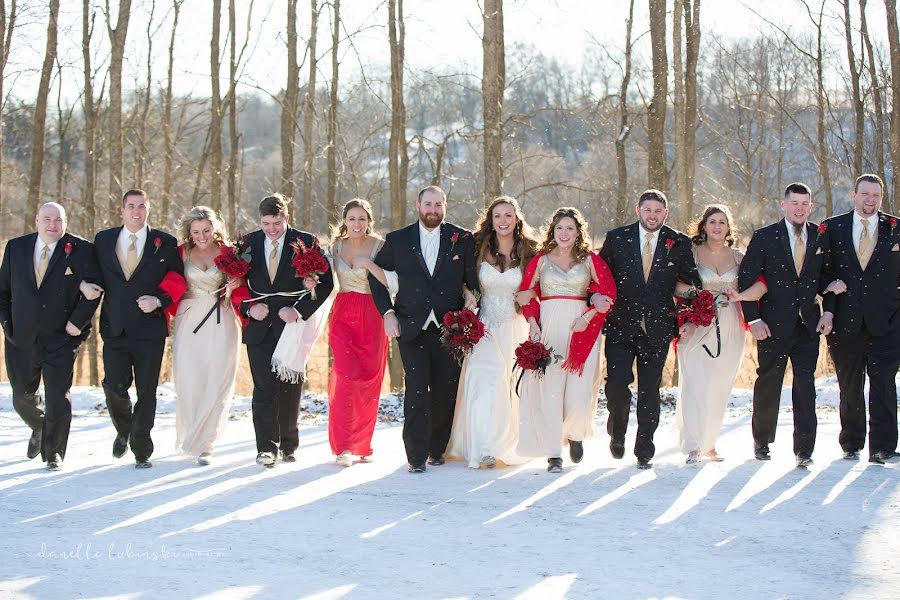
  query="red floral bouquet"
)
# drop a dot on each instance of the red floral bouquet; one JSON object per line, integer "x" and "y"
{"x": 699, "y": 309}
{"x": 535, "y": 356}
{"x": 462, "y": 330}
{"x": 233, "y": 261}
{"x": 308, "y": 261}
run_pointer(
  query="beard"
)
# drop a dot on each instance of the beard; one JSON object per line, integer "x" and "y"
{"x": 431, "y": 220}
{"x": 649, "y": 229}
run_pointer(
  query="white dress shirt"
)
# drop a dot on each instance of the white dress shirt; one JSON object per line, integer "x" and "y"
{"x": 38, "y": 248}
{"x": 125, "y": 241}
{"x": 857, "y": 228}
{"x": 430, "y": 242}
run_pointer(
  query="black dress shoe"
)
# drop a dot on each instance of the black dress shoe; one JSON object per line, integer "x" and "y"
{"x": 617, "y": 448}
{"x": 803, "y": 461}
{"x": 55, "y": 462}
{"x": 762, "y": 453}
{"x": 142, "y": 464}
{"x": 266, "y": 459}
{"x": 554, "y": 465}
{"x": 436, "y": 461}
{"x": 643, "y": 463}
{"x": 882, "y": 457}
{"x": 416, "y": 468}
{"x": 576, "y": 451}
{"x": 851, "y": 455}
{"x": 34, "y": 445}
{"x": 120, "y": 445}
{"x": 288, "y": 457}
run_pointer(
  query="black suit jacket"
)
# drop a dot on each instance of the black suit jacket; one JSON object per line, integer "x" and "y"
{"x": 26, "y": 310}
{"x": 120, "y": 313}
{"x": 653, "y": 300}
{"x": 286, "y": 280}
{"x": 873, "y": 296}
{"x": 789, "y": 295}
{"x": 421, "y": 292}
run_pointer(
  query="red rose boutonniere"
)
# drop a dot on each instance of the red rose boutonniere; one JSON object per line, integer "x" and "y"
{"x": 670, "y": 243}
{"x": 68, "y": 249}
{"x": 157, "y": 242}
{"x": 453, "y": 239}
{"x": 822, "y": 228}
{"x": 893, "y": 223}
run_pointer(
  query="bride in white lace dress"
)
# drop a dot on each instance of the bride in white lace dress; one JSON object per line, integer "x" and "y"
{"x": 704, "y": 378}
{"x": 486, "y": 420}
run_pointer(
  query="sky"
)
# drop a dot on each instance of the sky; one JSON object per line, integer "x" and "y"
{"x": 441, "y": 34}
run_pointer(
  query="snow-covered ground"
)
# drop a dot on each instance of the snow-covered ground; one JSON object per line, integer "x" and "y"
{"x": 601, "y": 529}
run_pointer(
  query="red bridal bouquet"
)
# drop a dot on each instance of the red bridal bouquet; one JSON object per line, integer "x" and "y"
{"x": 535, "y": 356}
{"x": 462, "y": 330}
{"x": 699, "y": 309}
{"x": 308, "y": 261}
{"x": 232, "y": 261}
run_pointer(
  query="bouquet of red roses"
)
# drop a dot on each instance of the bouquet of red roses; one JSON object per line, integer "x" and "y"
{"x": 308, "y": 261}
{"x": 461, "y": 331}
{"x": 535, "y": 356}
{"x": 233, "y": 260}
{"x": 699, "y": 309}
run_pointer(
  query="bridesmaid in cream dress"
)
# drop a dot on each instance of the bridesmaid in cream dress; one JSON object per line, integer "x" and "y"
{"x": 205, "y": 355}
{"x": 486, "y": 419}
{"x": 559, "y": 407}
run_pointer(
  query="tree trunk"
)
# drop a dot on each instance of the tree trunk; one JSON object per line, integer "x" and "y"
{"x": 855, "y": 96}
{"x": 7, "y": 26}
{"x": 90, "y": 163}
{"x": 894, "y": 44}
{"x": 216, "y": 160}
{"x": 876, "y": 101}
{"x": 40, "y": 119}
{"x": 289, "y": 104}
{"x": 657, "y": 170}
{"x": 680, "y": 195}
{"x": 141, "y": 150}
{"x": 823, "y": 147}
{"x": 331, "y": 155}
{"x": 689, "y": 131}
{"x": 624, "y": 128}
{"x": 117, "y": 37}
{"x": 493, "y": 84}
{"x": 398, "y": 159}
{"x": 309, "y": 117}
{"x": 168, "y": 143}
{"x": 234, "y": 192}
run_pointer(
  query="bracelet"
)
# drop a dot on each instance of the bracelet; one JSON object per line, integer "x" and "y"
{"x": 586, "y": 320}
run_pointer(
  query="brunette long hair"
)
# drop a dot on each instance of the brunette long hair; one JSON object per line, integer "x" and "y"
{"x": 524, "y": 240}
{"x": 582, "y": 245}
{"x": 698, "y": 233}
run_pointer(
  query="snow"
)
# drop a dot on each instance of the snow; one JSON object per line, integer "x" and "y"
{"x": 601, "y": 529}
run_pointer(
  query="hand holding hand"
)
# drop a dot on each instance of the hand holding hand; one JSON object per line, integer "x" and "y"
{"x": 525, "y": 296}
{"x": 836, "y": 287}
{"x": 391, "y": 325}
{"x": 601, "y": 303}
{"x": 72, "y": 330}
{"x": 288, "y": 314}
{"x": 148, "y": 304}
{"x": 259, "y": 311}
{"x": 471, "y": 303}
{"x": 760, "y": 330}
{"x": 91, "y": 291}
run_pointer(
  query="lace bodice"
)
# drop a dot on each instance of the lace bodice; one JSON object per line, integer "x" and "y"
{"x": 350, "y": 279}
{"x": 497, "y": 292}
{"x": 715, "y": 282}
{"x": 556, "y": 282}
{"x": 199, "y": 282}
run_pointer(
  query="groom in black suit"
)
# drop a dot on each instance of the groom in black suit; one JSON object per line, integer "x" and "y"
{"x": 787, "y": 321}
{"x": 646, "y": 259}
{"x": 45, "y": 318}
{"x": 432, "y": 260}
{"x": 861, "y": 249}
{"x": 134, "y": 258}
{"x": 276, "y": 403}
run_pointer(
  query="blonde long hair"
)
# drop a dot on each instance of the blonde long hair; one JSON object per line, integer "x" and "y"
{"x": 201, "y": 213}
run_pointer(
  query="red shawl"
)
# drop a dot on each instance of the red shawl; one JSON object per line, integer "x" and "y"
{"x": 583, "y": 341}
{"x": 175, "y": 285}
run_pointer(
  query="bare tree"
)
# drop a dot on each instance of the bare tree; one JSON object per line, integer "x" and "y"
{"x": 657, "y": 169}
{"x": 309, "y": 116}
{"x": 90, "y": 160}
{"x": 216, "y": 159}
{"x": 289, "y": 104}
{"x": 855, "y": 96}
{"x": 117, "y": 37}
{"x": 688, "y": 141}
{"x": 7, "y": 26}
{"x": 398, "y": 158}
{"x": 168, "y": 142}
{"x": 40, "y": 118}
{"x": 894, "y": 45}
{"x": 234, "y": 140}
{"x": 331, "y": 153}
{"x": 624, "y": 127}
{"x": 493, "y": 84}
{"x": 876, "y": 98}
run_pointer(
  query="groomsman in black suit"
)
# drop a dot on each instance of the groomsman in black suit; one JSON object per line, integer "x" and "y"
{"x": 433, "y": 260}
{"x": 861, "y": 249}
{"x": 134, "y": 258}
{"x": 276, "y": 403}
{"x": 787, "y": 321}
{"x": 646, "y": 259}
{"x": 45, "y": 318}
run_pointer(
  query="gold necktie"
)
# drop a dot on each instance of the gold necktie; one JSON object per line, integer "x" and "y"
{"x": 647, "y": 256}
{"x": 273, "y": 261}
{"x": 864, "y": 252}
{"x": 799, "y": 251}
{"x": 42, "y": 265}
{"x": 131, "y": 258}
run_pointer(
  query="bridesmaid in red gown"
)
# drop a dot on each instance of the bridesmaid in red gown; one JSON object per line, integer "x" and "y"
{"x": 357, "y": 338}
